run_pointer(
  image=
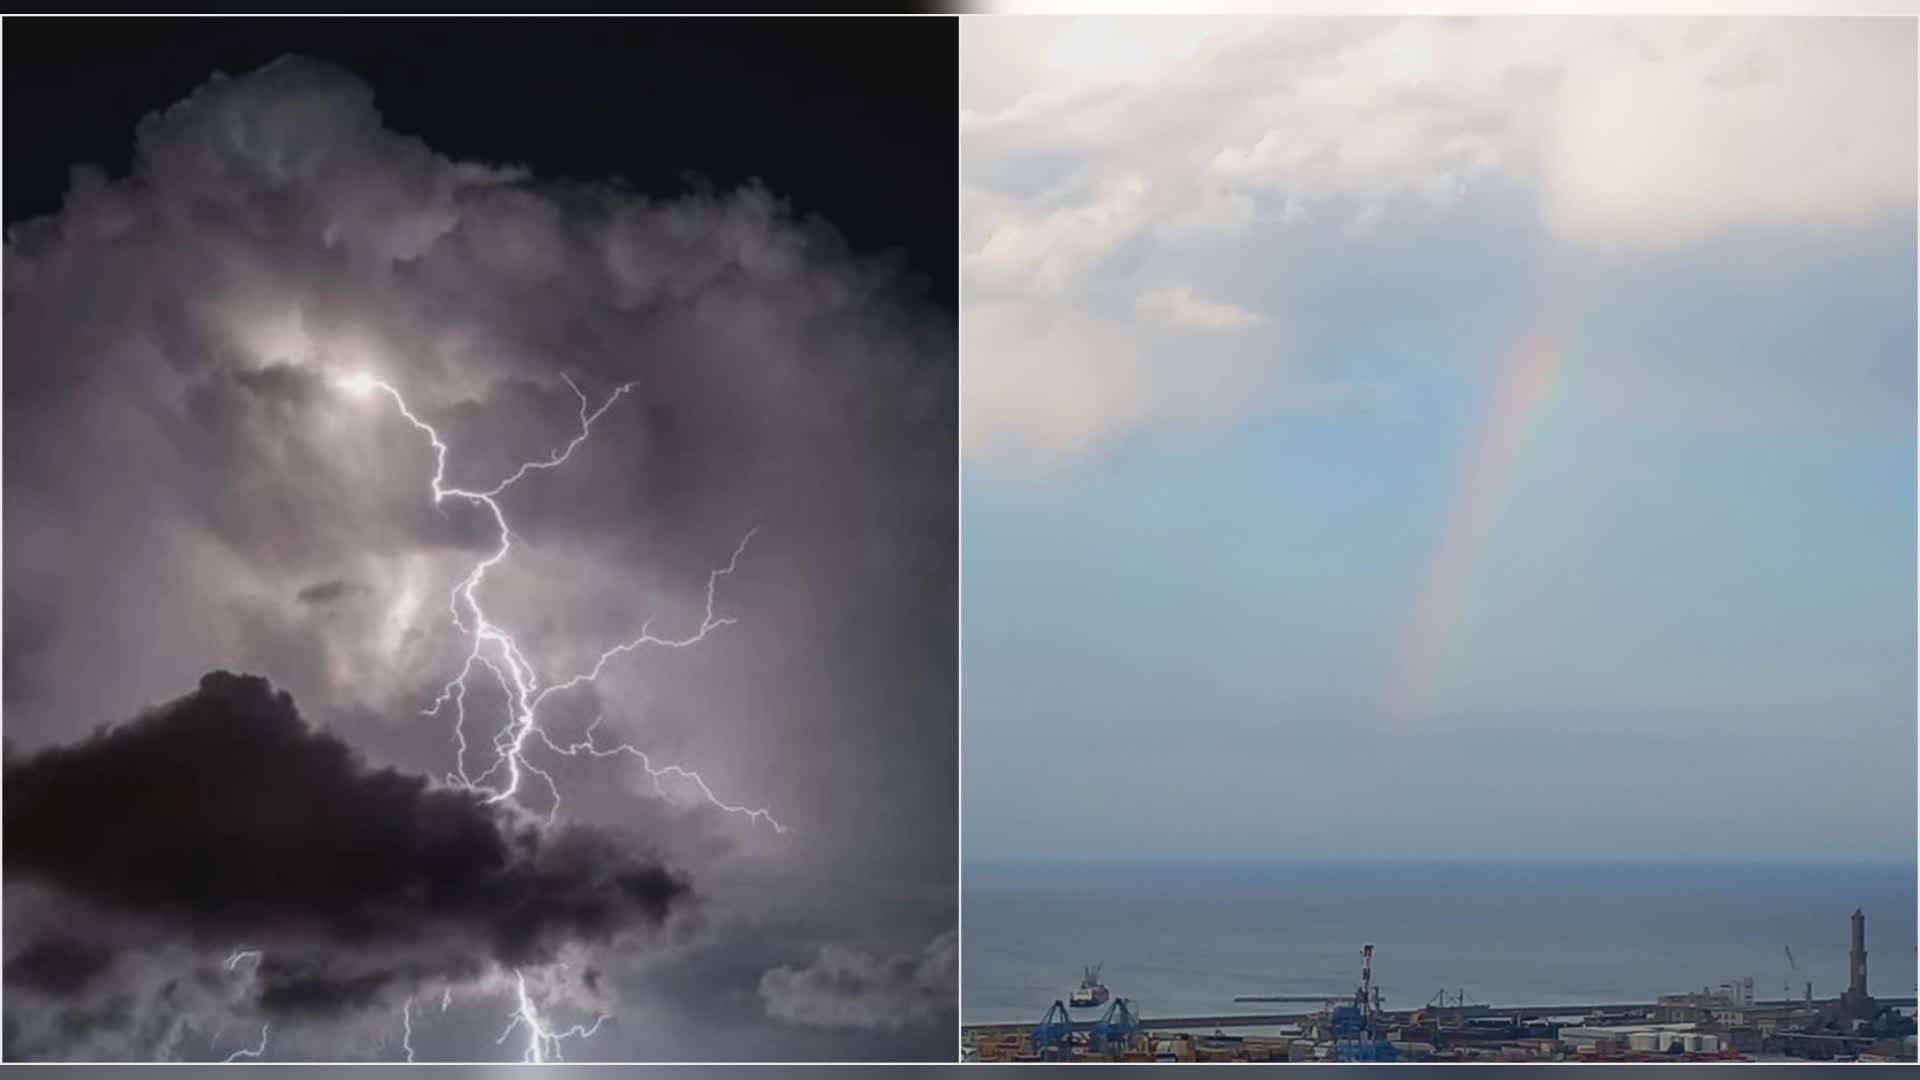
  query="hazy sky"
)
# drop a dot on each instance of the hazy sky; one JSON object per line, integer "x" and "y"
{"x": 1438, "y": 437}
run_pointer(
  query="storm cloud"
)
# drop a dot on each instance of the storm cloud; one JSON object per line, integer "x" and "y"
{"x": 222, "y": 818}
{"x": 225, "y": 816}
{"x": 845, "y": 987}
{"x": 188, "y": 490}
{"x": 327, "y": 592}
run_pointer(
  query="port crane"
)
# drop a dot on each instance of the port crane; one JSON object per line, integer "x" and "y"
{"x": 1117, "y": 1029}
{"x": 1358, "y": 1015}
{"x": 1793, "y": 970}
{"x": 1053, "y": 1036}
{"x": 1352, "y": 1026}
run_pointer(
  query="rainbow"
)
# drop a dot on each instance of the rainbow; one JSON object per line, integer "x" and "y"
{"x": 1518, "y": 399}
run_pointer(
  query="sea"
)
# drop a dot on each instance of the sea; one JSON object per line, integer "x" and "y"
{"x": 1183, "y": 938}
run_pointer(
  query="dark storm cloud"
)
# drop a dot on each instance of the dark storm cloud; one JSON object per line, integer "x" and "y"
{"x": 57, "y": 964}
{"x": 186, "y": 489}
{"x": 223, "y": 817}
{"x": 326, "y": 592}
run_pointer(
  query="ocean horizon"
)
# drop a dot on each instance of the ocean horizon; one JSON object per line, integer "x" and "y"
{"x": 1186, "y": 936}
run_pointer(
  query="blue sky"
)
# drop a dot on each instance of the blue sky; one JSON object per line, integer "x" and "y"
{"x": 1240, "y": 298}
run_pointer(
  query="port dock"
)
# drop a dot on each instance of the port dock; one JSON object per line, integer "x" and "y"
{"x": 1520, "y": 1013}
{"x": 1727, "y": 1024}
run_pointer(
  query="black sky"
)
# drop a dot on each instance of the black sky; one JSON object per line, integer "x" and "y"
{"x": 832, "y": 114}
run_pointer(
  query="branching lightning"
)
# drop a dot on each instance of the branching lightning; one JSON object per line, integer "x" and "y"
{"x": 495, "y": 650}
{"x": 588, "y": 747}
{"x": 543, "y": 1044}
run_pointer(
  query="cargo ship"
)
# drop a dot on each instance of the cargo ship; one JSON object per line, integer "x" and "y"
{"x": 1091, "y": 992}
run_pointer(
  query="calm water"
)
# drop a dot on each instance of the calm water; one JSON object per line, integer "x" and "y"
{"x": 1185, "y": 938}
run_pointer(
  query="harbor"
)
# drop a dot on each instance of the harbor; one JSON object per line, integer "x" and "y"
{"x": 1724, "y": 1023}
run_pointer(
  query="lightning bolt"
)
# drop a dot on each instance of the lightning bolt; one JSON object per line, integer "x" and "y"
{"x": 543, "y": 1044}
{"x": 251, "y": 1052}
{"x": 589, "y": 748}
{"x": 406, "y": 1028}
{"x": 495, "y": 650}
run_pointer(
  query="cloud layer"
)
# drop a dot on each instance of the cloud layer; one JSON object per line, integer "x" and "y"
{"x": 1129, "y": 176}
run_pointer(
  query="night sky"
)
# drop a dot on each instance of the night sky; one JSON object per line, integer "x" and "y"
{"x": 230, "y": 594}
{"x": 800, "y": 104}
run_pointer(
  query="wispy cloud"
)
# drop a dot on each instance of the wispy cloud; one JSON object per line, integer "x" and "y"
{"x": 1181, "y": 307}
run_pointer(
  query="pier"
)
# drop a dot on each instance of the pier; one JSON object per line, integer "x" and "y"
{"x": 1230, "y": 1021}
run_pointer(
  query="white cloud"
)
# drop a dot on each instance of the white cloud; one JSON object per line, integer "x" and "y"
{"x": 1637, "y": 123}
{"x": 1180, "y": 306}
{"x": 1104, "y": 158}
{"x": 1022, "y": 55}
{"x": 1048, "y": 252}
{"x": 1667, "y": 139}
{"x": 1042, "y": 385}
{"x": 1047, "y": 385}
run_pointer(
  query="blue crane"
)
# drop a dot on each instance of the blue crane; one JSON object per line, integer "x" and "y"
{"x": 1053, "y": 1035}
{"x": 1352, "y": 1025}
{"x": 1117, "y": 1029}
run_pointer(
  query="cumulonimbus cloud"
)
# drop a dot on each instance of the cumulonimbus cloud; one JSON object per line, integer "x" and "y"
{"x": 223, "y": 820}
{"x": 186, "y": 489}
